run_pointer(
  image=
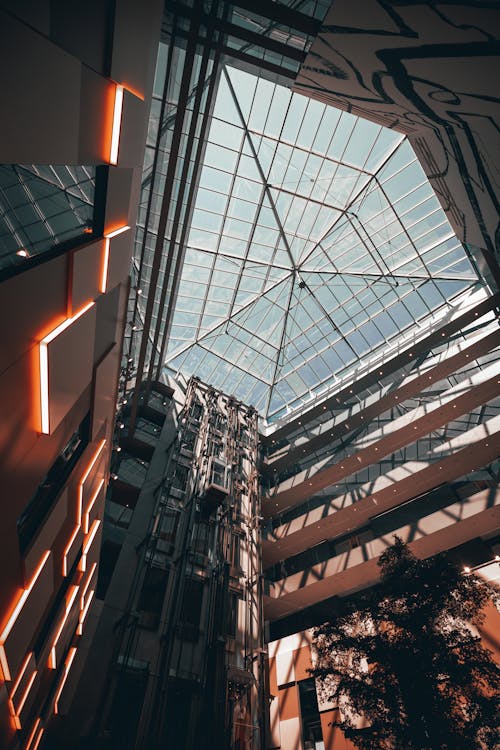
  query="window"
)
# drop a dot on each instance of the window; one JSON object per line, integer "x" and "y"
{"x": 232, "y": 616}
{"x": 218, "y": 473}
{"x": 192, "y": 600}
{"x": 152, "y": 596}
{"x": 167, "y": 530}
{"x": 201, "y": 540}
{"x": 311, "y": 722}
{"x": 235, "y": 551}
{"x": 109, "y": 556}
{"x": 215, "y": 445}
{"x": 121, "y": 725}
{"x": 180, "y": 477}
{"x": 196, "y": 411}
{"x": 188, "y": 440}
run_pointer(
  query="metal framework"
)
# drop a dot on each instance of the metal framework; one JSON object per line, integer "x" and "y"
{"x": 42, "y": 207}
{"x": 282, "y": 245}
{"x": 315, "y": 240}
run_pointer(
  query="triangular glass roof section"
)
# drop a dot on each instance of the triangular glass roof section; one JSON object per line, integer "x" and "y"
{"x": 316, "y": 239}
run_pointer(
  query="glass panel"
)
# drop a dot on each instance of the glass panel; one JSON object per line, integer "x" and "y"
{"x": 316, "y": 233}
{"x": 42, "y": 207}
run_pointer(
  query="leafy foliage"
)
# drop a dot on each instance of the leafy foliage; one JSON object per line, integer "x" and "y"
{"x": 403, "y": 661}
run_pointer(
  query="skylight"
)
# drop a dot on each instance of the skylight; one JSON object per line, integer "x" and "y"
{"x": 316, "y": 241}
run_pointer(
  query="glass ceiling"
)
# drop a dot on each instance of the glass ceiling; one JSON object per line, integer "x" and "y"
{"x": 42, "y": 206}
{"x": 316, "y": 241}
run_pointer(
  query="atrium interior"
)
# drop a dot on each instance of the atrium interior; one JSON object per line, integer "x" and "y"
{"x": 249, "y": 260}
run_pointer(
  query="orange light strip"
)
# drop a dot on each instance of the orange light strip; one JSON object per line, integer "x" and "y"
{"x": 117, "y": 124}
{"x": 84, "y": 479}
{"x": 15, "y": 614}
{"x": 52, "y": 657}
{"x": 44, "y": 388}
{"x": 105, "y": 259}
{"x": 32, "y": 734}
{"x": 23, "y": 669}
{"x": 88, "y": 544}
{"x": 91, "y": 535}
{"x": 16, "y": 712}
{"x": 67, "y": 550}
{"x": 83, "y": 614}
{"x": 87, "y": 584}
{"x": 105, "y": 264}
{"x": 44, "y": 366}
{"x": 86, "y": 516}
{"x": 116, "y": 232}
{"x": 13, "y": 711}
{"x": 67, "y": 666}
{"x": 15, "y": 721}
{"x": 38, "y": 739}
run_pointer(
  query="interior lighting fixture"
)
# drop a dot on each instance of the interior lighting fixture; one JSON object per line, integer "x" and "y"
{"x": 83, "y": 613}
{"x": 23, "y": 253}
{"x": 38, "y": 740}
{"x": 53, "y": 657}
{"x": 33, "y": 732}
{"x": 15, "y": 614}
{"x": 67, "y": 666}
{"x": 91, "y": 504}
{"x": 88, "y": 543}
{"x": 117, "y": 124}
{"x": 15, "y": 712}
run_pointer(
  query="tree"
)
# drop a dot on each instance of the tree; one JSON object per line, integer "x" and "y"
{"x": 403, "y": 658}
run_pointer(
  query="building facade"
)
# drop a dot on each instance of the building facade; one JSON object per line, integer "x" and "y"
{"x": 182, "y": 590}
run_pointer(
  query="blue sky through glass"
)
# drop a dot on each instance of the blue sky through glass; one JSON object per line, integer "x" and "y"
{"x": 316, "y": 242}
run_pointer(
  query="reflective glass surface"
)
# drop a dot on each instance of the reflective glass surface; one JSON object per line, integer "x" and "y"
{"x": 43, "y": 206}
{"x": 316, "y": 242}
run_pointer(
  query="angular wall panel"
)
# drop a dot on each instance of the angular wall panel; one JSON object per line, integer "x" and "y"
{"x": 105, "y": 375}
{"x": 25, "y": 615}
{"x": 46, "y": 534}
{"x": 86, "y": 274}
{"x": 66, "y": 359}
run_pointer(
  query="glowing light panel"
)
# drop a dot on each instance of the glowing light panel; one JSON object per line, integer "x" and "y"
{"x": 117, "y": 124}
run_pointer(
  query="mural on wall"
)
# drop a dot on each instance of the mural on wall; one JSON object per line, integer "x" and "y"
{"x": 427, "y": 69}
